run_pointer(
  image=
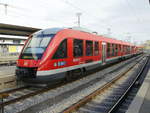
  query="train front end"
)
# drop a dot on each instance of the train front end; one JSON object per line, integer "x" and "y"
{"x": 32, "y": 55}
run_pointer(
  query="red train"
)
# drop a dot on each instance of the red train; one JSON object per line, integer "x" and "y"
{"x": 56, "y": 53}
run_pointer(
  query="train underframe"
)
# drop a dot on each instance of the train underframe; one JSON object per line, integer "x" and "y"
{"x": 28, "y": 75}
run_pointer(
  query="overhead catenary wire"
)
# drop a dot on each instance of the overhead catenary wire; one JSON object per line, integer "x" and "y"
{"x": 85, "y": 12}
{"x": 15, "y": 11}
{"x": 133, "y": 11}
{"x": 24, "y": 12}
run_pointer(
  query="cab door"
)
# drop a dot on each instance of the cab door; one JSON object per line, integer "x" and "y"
{"x": 103, "y": 52}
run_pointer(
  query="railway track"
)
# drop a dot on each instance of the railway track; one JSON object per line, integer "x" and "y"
{"x": 27, "y": 93}
{"x": 78, "y": 89}
{"x": 110, "y": 97}
{"x": 7, "y": 63}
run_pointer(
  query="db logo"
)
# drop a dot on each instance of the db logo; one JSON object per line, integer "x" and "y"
{"x": 25, "y": 63}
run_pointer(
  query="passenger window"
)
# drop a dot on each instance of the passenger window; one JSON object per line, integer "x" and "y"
{"x": 89, "y": 48}
{"x": 128, "y": 49}
{"x": 113, "y": 49}
{"x": 108, "y": 50}
{"x": 116, "y": 50}
{"x": 120, "y": 48}
{"x": 123, "y": 48}
{"x": 77, "y": 48}
{"x": 61, "y": 51}
{"x": 96, "y": 49}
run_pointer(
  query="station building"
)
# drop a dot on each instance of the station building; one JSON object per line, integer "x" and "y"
{"x": 11, "y": 45}
{"x": 147, "y": 46}
{"x": 13, "y": 37}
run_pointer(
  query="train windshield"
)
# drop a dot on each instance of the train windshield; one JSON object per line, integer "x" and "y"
{"x": 36, "y": 46}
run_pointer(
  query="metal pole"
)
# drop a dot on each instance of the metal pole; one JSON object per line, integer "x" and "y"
{"x": 2, "y": 96}
{"x": 79, "y": 21}
{"x": 2, "y": 107}
{"x": 5, "y": 8}
{"x": 78, "y": 15}
{"x": 109, "y": 32}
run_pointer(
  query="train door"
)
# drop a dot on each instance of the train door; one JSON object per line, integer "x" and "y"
{"x": 103, "y": 52}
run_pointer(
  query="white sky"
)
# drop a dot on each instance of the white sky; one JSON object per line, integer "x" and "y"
{"x": 125, "y": 18}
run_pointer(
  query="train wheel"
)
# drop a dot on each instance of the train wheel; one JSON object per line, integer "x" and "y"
{"x": 69, "y": 76}
{"x": 77, "y": 73}
{"x": 83, "y": 71}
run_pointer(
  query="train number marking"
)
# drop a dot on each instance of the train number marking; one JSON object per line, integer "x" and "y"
{"x": 62, "y": 63}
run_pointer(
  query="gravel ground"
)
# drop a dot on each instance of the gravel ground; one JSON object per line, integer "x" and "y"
{"x": 81, "y": 94}
{"x": 102, "y": 103}
{"x": 52, "y": 100}
{"x": 7, "y": 70}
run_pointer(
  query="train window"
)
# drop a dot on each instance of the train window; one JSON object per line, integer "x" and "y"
{"x": 96, "y": 49}
{"x": 89, "y": 48}
{"x": 61, "y": 50}
{"x": 120, "y": 48}
{"x": 123, "y": 49}
{"x": 36, "y": 46}
{"x": 77, "y": 48}
{"x": 128, "y": 49}
{"x": 108, "y": 50}
{"x": 116, "y": 49}
{"x": 113, "y": 49}
{"x": 132, "y": 48}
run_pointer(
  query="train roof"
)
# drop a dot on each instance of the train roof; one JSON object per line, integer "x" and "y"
{"x": 49, "y": 31}
{"x": 110, "y": 40}
{"x": 103, "y": 38}
{"x": 82, "y": 31}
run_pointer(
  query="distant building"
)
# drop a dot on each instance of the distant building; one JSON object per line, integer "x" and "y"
{"x": 147, "y": 45}
{"x": 13, "y": 37}
{"x": 11, "y": 44}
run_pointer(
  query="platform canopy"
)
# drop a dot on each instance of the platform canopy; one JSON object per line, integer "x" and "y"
{"x": 8, "y": 29}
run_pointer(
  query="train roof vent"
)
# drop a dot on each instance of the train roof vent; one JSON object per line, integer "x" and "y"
{"x": 82, "y": 29}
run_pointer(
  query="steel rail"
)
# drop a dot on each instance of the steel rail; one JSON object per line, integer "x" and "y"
{"x": 97, "y": 92}
{"x": 123, "y": 97}
{"x": 42, "y": 90}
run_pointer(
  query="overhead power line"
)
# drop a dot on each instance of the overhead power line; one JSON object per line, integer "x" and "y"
{"x": 84, "y": 11}
{"x": 15, "y": 11}
{"x": 133, "y": 11}
{"x": 5, "y": 5}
